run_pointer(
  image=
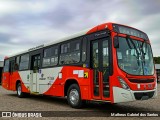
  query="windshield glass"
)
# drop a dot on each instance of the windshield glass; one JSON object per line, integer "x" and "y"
{"x": 135, "y": 57}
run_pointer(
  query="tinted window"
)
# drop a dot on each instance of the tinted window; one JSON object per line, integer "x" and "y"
{"x": 6, "y": 66}
{"x": 84, "y": 49}
{"x": 65, "y": 48}
{"x": 70, "y": 53}
{"x": 50, "y": 57}
{"x": 12, "y": 66}
{"x": 17, "y": 60}
{"x": 105, "y": 54}
{"x": 24, "y": 62}
{"x": 16, "y": 66}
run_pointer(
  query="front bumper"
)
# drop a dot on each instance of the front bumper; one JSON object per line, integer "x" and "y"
{"x": 122, "y": 95}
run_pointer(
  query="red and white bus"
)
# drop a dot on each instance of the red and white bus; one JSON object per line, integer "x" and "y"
{"x": 109, "y": 63}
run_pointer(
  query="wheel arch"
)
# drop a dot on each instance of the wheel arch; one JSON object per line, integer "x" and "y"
{"x": 68, "y": 83}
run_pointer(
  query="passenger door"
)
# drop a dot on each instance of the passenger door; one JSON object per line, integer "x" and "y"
{"x": 35, "y": 65}
{"x": 11, "y": 70}
{"x": 100, "y": 65}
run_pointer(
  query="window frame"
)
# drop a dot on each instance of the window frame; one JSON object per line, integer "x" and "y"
{"x": 49, "y": 47}
{"x": 28, "y": 67}
{"x": 84, "y": 49}
{"x": 4, "y": 66}
{"x": 79, "y": 39}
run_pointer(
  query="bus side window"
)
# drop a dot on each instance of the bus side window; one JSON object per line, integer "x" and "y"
{"x": 75, "y": 51}
{"x": 50, "y": 57}
{"x": 64, "y": 58}
{"x": 6, "y": 66}
{"x": 12, "y": 63}
{"x": 70, "y": 52}
{"x": 84, "y": 45}
{"x": 16, "y": 65}
{"x": 24, "y": 62}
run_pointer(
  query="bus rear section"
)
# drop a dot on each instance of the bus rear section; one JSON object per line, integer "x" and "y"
{"x": 6, "y": 82}
{"x": 109, "y": 63}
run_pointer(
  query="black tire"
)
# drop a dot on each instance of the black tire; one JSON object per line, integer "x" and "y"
{"x": 74, "y": 88}
{"x": 20, "y": 94}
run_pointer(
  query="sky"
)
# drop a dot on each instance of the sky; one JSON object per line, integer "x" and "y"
{"x": 28, "y": 23}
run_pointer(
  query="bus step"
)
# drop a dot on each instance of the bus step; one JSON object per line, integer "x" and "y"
{"x": 34, "y": 93}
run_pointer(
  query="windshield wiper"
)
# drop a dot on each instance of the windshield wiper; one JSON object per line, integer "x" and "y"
{"x": 127, "y": 38}
{"x": 130, "y": 39}
{"x": 143, "y": 53}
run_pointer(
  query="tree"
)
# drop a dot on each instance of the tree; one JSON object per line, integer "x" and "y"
{"x": 157, "y": 60}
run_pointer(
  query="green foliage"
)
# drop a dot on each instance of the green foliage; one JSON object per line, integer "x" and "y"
{"x": 157, "y": 60}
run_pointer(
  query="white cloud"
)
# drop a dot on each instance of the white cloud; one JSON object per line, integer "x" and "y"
{"x": 10, "y": 49}
{"x": 41, "y": 34}
{"x": 8, "y": 7}
{"x": 15, "y": 40}
{"x": 26, "y": 6}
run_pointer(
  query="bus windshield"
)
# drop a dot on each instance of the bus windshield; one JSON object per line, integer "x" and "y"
{"x": 135, "y": 57}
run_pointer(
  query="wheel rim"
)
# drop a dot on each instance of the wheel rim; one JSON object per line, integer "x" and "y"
{"x": 74, "y": 96}
{"x": 19, "y": 90}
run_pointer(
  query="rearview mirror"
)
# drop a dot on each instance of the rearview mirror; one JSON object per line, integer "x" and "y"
{"x": 116, "y": 42}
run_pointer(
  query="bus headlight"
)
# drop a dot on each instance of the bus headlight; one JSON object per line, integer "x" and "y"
{"x": 123, "y": 83}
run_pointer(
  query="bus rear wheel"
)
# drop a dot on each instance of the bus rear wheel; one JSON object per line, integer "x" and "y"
{"x": 20, "y": 94}
{"x": 74, "y": 96}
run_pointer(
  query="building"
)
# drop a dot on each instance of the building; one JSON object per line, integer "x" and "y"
{"x": 1, "y": 68}
{"x": 157, "y": 66}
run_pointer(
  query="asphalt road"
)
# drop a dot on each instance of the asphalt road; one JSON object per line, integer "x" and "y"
{"x": 10, "y": 102}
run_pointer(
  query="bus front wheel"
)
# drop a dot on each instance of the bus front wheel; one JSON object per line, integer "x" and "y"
{"x": 20, "y": 94}
{"x": 74, "y": 96}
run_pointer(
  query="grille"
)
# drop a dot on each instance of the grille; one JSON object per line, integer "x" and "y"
{"x": 141, "y": 81}
{"x": 139, "y": 95}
